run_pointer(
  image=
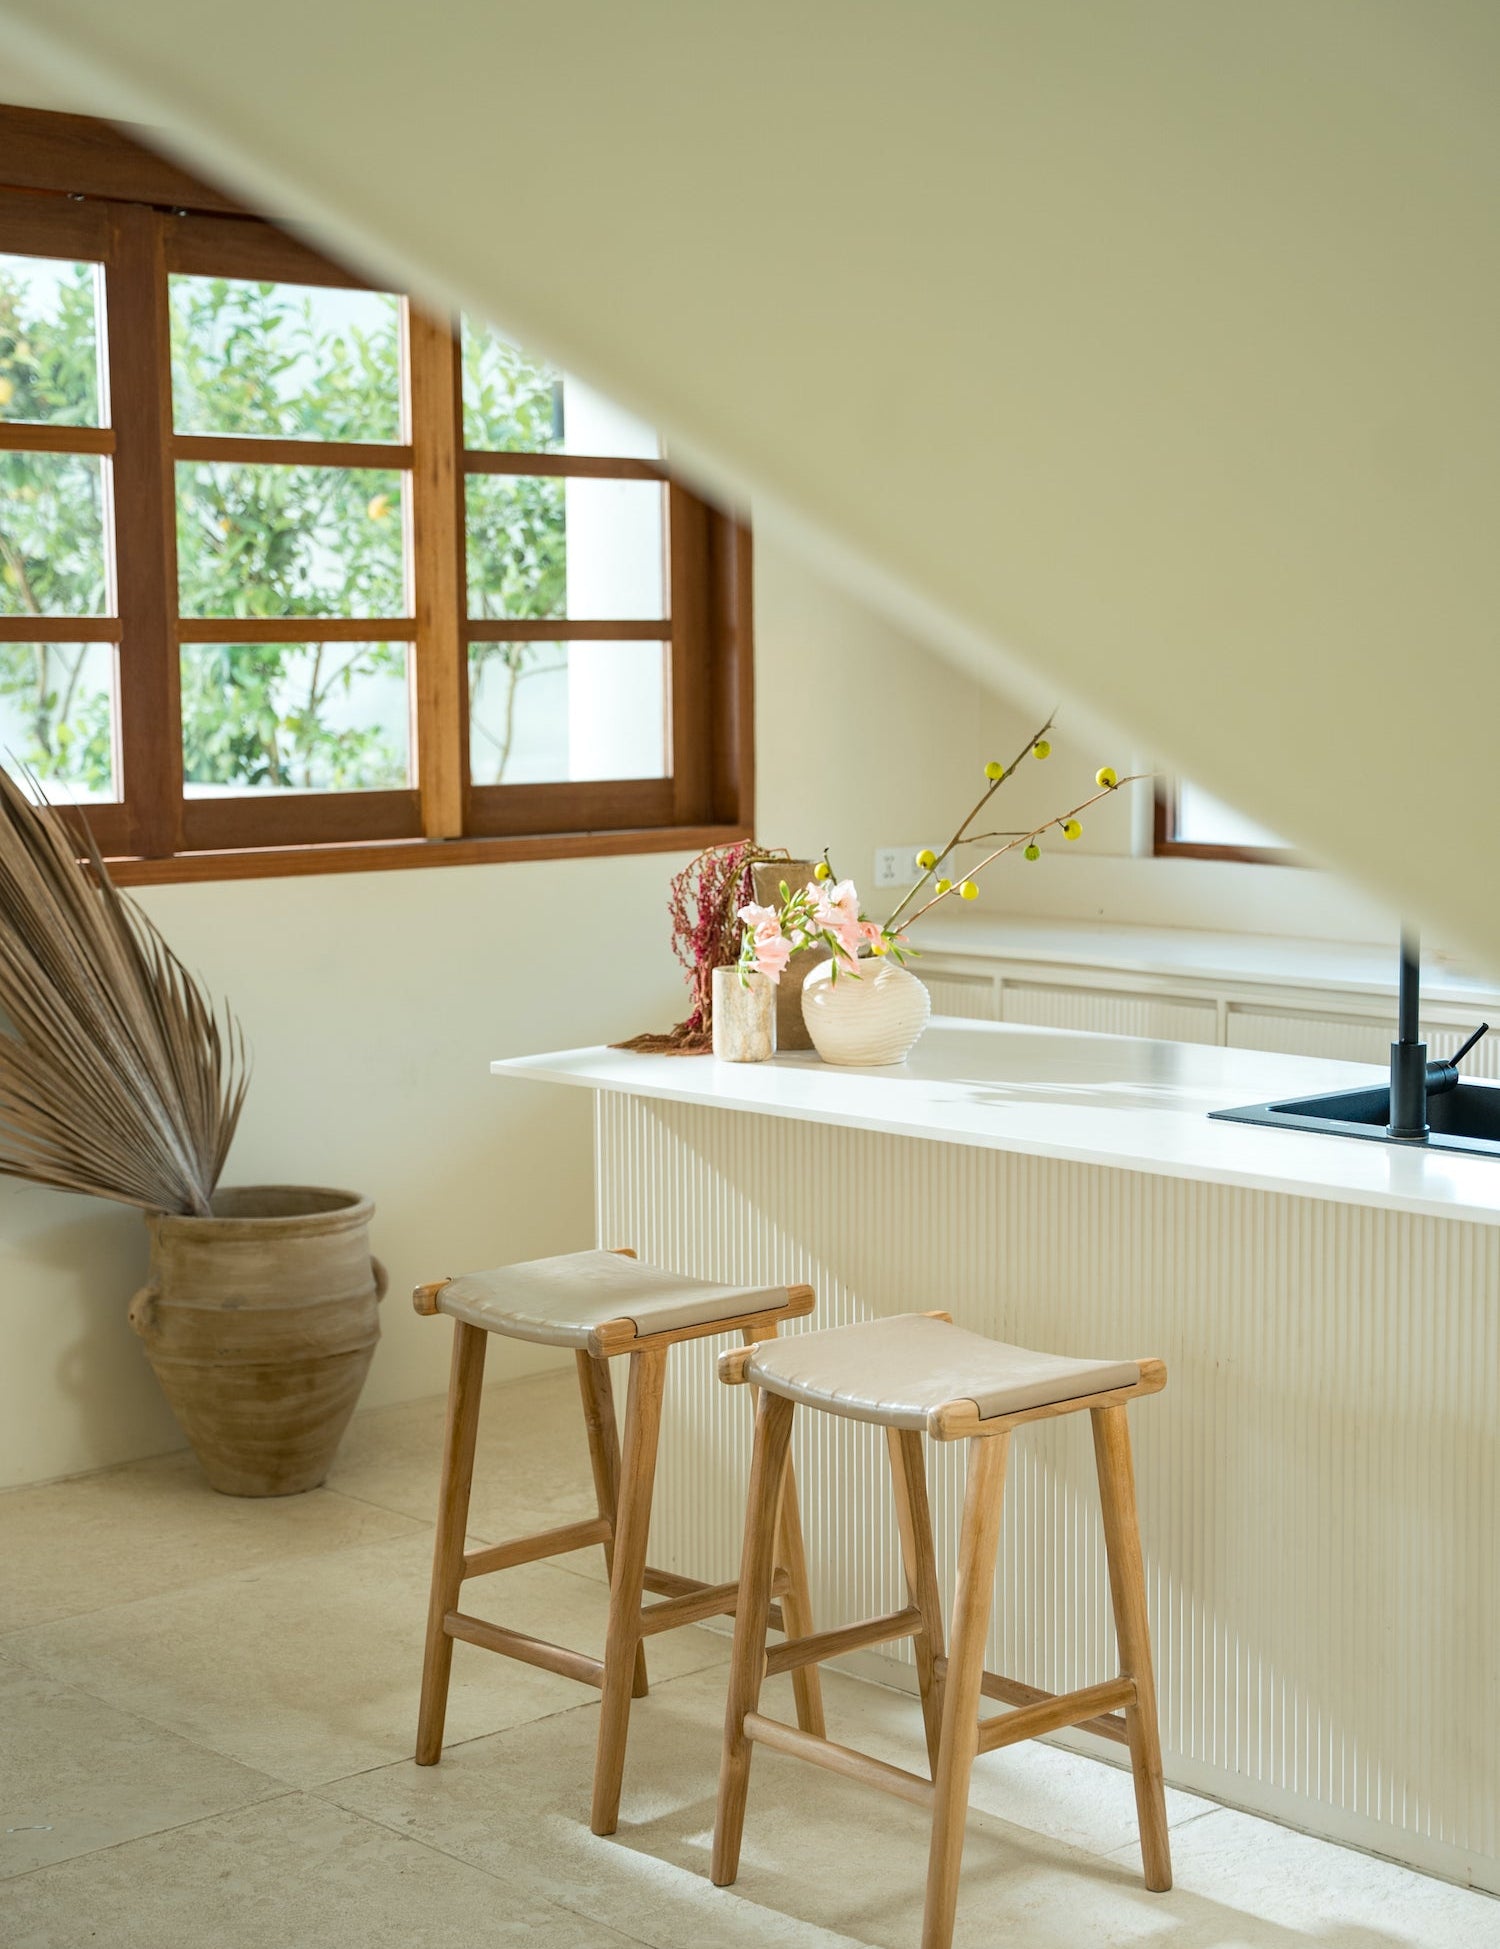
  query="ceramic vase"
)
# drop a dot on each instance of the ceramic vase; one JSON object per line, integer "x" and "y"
{"x": 744, "y": 1016}
{"x": 868, "y": 1021}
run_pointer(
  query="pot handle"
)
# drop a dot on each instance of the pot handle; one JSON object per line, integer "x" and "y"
{"x": 142, "y": 1313}
{"x": 382, "y": 1277}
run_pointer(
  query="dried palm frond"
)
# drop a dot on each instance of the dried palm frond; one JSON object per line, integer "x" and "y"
{"x": 116, "y": 1078}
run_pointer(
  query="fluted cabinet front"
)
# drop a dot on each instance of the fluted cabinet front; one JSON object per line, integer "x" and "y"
{"x": 1318, "y": 1484}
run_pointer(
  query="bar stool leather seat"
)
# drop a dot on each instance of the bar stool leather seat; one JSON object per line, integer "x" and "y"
{"x": 905, "y": 1370}
{"x": 575, "y": 1299}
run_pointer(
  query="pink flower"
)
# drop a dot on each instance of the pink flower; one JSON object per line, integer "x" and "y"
{"x": 757, "y": 917}
{"x": 772, "y": 952}
{"x": 869, "y": 930}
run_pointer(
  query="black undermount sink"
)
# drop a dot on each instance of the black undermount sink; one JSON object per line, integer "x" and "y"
{"x": 1425, "y": 1104}
{"x": 1465, "y": 1118}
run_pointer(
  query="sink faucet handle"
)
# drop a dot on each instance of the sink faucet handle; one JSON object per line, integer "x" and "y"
{"x": 1458, "y": 1054}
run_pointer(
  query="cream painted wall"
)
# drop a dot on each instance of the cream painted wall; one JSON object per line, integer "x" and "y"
{"x": 375, "y": 1001}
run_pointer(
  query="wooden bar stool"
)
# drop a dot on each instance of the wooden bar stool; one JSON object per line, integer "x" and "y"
{"x": 915, "y": 1374}
{"x": 598, "y": 1303}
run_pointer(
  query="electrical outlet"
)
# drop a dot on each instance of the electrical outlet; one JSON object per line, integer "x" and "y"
{"x": 896, "y": 866}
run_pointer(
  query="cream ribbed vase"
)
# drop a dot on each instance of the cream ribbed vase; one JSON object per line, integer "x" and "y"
{"x": 867, "y": 1022}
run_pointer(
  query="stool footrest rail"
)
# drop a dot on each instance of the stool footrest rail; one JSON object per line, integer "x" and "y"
{"x": 1054, "y": 1710}
{"x": 839, "y": 1759}
{"x": 545, "y": 1543}
{"x": 530, "y": 1651}
{"x": 812, "y": 1650}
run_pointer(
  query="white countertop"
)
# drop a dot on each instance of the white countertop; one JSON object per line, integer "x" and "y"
{"x": 1119, "y": 1101}
{"x": 1192, "y": 955}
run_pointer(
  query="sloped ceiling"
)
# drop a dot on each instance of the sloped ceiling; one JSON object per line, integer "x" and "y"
{"x": 1149, "y": 352}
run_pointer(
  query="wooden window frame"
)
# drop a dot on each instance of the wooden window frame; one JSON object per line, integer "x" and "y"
{"x": 1166, "y": 845}
{"x": 70, "y": 186}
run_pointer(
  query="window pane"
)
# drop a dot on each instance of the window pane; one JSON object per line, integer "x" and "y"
{"x": 1203, "y": 821}
{"x": 517, "y": 404}
{"x": 57, "y": 717}
{"x": 49, "y": 341}
{"x": 287, "y": 361}
{"x": 52, "y": 558}
{"x": 544, "y": 712}
{"x": 590, "y": 549}
{"x": 256, "y": 540}
{"x": 294, "y": 717}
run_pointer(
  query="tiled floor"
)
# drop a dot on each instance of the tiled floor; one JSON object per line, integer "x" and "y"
{"x": 206, "y": 1715}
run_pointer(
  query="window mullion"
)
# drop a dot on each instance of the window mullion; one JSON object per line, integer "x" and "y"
{"x": 435, "y": 433}
{"x": 140, "y": 386}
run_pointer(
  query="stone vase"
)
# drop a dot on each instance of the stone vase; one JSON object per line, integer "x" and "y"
{"x": 259, "y": 1323}
{"x": 744, "y": 1016}
{"x": 868, "y": 1021}
{"x": 767, "y": 875}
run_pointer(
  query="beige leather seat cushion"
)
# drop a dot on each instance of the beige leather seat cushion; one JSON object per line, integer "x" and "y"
{"x": 561, "y": 1301}
{"x": 898, "y": 1371}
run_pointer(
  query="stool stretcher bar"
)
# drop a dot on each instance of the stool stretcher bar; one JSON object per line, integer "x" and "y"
{"x": 530, "y": 1651}
{"x": 545, "y": 1543}
{"x": 701, "y": 1601}
{"x": 796, "y": 1652}
{"x": 839, "y": 1759}
{"x": 1052, "y": 1714}
{"x": 1011, "y": 1691}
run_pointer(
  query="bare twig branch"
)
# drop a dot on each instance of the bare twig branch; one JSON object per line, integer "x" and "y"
{"x": 974, "y": 812}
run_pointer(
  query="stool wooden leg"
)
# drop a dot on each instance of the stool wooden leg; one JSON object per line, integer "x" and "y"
{"x": 1127, "y": 1587}
{"x": 796, "y": 1605}
{"x": 627, "y": 1580}
{"x": 604, "y": 1457}
{"x": 978, "y": 1540}
{"x": 773, "y": 1430}
{"x": 914, "y": 1522}
{"x": 465, "y": 1381}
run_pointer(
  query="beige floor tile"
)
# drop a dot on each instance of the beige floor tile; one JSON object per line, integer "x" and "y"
{"x": 292, "y": 1874}
{"x": 77, "y": 1775}
{"x": 531, "y": 1466}
{"x": 156, "y": 1526}
{"x": 309, "y": 1670}
{"x": 1328, "y": 1894}
{"x": 823, "y": 1859}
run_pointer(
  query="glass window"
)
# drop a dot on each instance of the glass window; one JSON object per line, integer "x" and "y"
{"x": 517, "y": 404}
{"x": 285, "y": 361}
{"x": 53, "y": 560}
{"x": 1205, "y": 821}
{"x": 542, "y": 713}
{"x": 261, "y": 540}
{"x": 49, "y": 341}
{"x": 540, "y": 546}
{"x": 58, "y": 716}
{"x": 294, "y": 717}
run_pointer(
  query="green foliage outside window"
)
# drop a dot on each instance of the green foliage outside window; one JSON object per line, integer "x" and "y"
{"x": 52, "y": 529}
{"x": 517, "y": 537}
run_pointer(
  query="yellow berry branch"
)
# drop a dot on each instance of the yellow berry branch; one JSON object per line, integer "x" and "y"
{"x": 997, "y": 774}
{"x": 967, "y": 890}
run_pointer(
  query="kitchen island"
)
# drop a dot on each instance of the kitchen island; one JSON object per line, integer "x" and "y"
{"x": 1318, "y": 1484}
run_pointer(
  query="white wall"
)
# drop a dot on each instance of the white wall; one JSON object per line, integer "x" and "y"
{"x": 374, "y": 1002}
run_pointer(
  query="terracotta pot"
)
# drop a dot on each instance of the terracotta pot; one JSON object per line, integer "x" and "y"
{"x": 260, "y": 1323}
{"x": 767, "y": 875}
{"x": 868, "y": 1022}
